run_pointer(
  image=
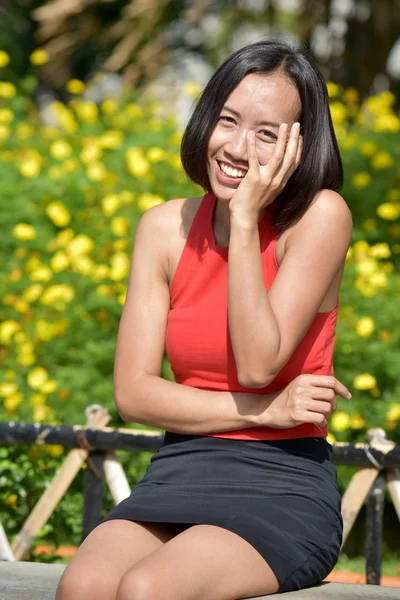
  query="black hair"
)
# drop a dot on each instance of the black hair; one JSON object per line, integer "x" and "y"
{"x": 321, "y": 165}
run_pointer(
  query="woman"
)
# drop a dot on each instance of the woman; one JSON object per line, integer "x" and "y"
{"x": 241, "y": 286}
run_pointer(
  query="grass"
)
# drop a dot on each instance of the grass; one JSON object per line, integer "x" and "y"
{"x": 390, "y": 564}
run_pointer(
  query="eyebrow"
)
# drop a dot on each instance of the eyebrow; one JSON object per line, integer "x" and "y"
{"x": 234, "y": 112}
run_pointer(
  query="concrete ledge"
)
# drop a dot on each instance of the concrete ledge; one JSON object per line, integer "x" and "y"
{"x": 38, "y": 581}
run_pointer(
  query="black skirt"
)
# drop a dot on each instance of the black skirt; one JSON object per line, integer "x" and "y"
{"x": 280, "y": 496}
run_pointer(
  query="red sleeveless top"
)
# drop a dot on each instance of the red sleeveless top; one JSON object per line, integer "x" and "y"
{"x": 197, "y": 338}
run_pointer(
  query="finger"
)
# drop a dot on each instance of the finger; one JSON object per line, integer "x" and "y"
{"x": 252, "y": 157}
{"x": 299, "y": 151}
{"x": 276, "y": 160}
{"x": 317, "y": 419}
{"x": 324, "y": 408}
{"x": 291, "y": 148}
{"x": 328, "y": 381}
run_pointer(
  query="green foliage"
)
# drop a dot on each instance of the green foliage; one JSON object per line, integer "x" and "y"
{"x": 71, "y": 200}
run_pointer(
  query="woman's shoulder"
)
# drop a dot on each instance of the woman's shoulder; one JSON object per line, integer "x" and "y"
{"x": 171, "y": 217}
{"x": 328, "y": 211}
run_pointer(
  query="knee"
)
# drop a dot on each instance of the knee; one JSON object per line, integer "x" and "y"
{"x": 139, "y": 584}
{"x": 80, "y": 584}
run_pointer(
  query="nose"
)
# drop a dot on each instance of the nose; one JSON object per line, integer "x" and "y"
{"x": 237, "y": 146}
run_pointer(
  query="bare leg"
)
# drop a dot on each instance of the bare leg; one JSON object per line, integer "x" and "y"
{"x": 106, "y": 554}
{"x": 204, "y": 562}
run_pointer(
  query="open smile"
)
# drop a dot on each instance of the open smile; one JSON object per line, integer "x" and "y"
{"x": 230, "y": 172}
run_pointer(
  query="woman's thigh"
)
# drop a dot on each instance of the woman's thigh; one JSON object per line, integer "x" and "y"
{"x": 110, "y": 550}
{"x": 204, "y": 562}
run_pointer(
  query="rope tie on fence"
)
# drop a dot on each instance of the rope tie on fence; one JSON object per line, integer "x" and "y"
{"x": 84, "y": 444}
{"x": 372, "y": 460}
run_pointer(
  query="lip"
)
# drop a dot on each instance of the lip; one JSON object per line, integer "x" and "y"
{"x": 225, "y": 179}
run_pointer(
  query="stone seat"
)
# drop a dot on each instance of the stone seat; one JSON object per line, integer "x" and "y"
{"x": 38, "y": 581}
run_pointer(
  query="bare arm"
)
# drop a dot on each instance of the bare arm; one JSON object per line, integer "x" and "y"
{"x": 266, "y": 327}
{"x": 141, "y": 395}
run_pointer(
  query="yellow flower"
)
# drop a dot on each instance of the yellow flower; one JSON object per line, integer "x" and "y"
{"x": 379, "y": 280}
{"x": 381, "y": 250}
{"x": 30, "y": 165}
{"x": 330, "y": 438}
{"x": 4, "y": 58}
{"x": 49, "y": 387}
{"x": 12, "y": 500}
{"x": 24, "y": 131}
{"x": 361, "y": 180}
{"x": 83, "y": 265}
{"x": 81, "y": 244}
{"x": 56, "y": 293}
{"x": 388, "y": 211}
{"x": 134, "y": 110}
{"x": 7, "y": 330}
{"x": 381, "y": 160}
{"x": 351, "y": 95}
{"x": 32, "y": 292}
{"x": 385, "y": 122}
{"x": 87, "y": 112}
{"x": 119, "y": 266}
{"x": 37, "y": 377}
{"x": 21, "y": 305}
{"x": 6, "y": 116}
{"x": 58, "y": 213}
{"x": 4, "y": 132}
{"x": 109, "y": 106}
{"x": 59, "y": 262}
{"x": 43, "y": 330}
{"x": 24, "y": 232}
{"x": 60, "y": 149}
{"x": 7, "y": 89}
{"x": 357, "y": 421}
{"x": 367, "y": 266}
{"x": 12, "y": 402}
{"x": 41, "y": 412}
{"x": 365, "y": 381}
{"x": 8, "y": 388}
{"x": 119, "y": 226}
{"x": 110, "y": 204}
{"x": 137, "y": 164}
{"x": 127, "y": 197}
{"x": 191, "y": 89}
{"x": 90, "y": 154}
{"x": 338, "y": 113}
{"x": 393, "y": 414}
{"x": 156, "y": 154}
{"x": 63, "y": 238}
{"x": 332, "y": 88}
{"x": 146, "y": 201}
{"x": 111, "y": 139}
{"x": 368, "y": 148}
{"x": 75, "y": 86}
{"x": 41, "y": 273}
{"x": 37, "y": 399}
{"x": 340, "y": 421}
{"x": 39, "y": 57}
{"x": 96, "y": 171}
{"x": 365, "y": 327}
{"x": 54, "y": 450}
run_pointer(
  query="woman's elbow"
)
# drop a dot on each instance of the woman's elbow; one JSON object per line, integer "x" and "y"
{"x": 255, "y": 380}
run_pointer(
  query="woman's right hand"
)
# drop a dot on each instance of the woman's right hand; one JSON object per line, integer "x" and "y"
{"x": 307, "y": 399}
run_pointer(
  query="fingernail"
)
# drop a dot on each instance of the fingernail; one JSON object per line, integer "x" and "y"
{"x": 349, "y": 395}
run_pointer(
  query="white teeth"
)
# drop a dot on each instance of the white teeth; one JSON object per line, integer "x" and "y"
{"x": 231, "y": 172}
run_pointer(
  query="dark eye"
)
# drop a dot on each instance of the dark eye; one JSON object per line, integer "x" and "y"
{"x": 268, "y": 134}
{"x": 226, "y": 119}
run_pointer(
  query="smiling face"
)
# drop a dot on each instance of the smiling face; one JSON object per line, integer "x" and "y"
{"x": 260, "y": 103}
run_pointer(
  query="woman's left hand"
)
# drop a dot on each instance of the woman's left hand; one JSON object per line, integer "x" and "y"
{"x": 263, "y": 183}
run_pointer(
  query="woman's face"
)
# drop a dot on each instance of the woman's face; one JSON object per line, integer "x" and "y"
{"x": 260, "y": 103}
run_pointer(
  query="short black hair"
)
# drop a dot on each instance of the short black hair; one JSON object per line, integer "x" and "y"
{"x": 321, "y": 165}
